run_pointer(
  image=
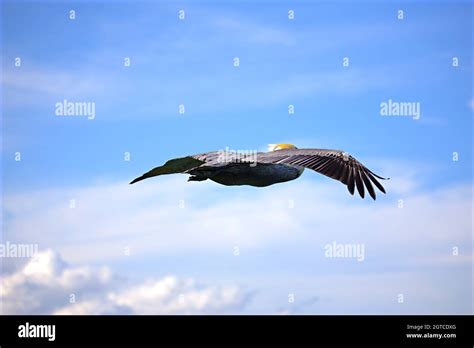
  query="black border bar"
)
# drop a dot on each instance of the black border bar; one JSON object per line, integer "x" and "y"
{"x": 214, "y": 329}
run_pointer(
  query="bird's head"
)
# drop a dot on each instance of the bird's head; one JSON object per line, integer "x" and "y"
{"x": 274, "y": 147}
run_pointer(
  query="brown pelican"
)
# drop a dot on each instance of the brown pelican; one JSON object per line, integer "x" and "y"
{"x": 283, "y": 162}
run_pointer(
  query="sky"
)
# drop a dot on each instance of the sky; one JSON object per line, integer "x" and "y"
{"x": 166, "y": 246}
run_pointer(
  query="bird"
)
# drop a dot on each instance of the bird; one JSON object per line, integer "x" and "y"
{"x": 281, "y": 163}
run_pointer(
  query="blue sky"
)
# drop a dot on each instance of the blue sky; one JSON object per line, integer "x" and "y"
{"x": 282, "y": 62}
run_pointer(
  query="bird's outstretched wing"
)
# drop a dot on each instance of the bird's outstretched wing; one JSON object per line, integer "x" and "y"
{"x": 335, "y": 164}
{"x": 177, "y": 165}
{"x": 180, "y": 165}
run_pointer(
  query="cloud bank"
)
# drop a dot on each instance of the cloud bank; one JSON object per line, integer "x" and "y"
{"x": 192, "y": 231}
{"x": 48, "y": 285}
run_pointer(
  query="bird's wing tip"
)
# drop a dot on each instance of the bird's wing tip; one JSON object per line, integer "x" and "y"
{"x": 135, "y": 180}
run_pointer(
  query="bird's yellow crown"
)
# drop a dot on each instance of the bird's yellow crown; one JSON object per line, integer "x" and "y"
{"x": 274, "y": 147}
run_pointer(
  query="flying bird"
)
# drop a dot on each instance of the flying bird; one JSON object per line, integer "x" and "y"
{"x": 283, "y": 162}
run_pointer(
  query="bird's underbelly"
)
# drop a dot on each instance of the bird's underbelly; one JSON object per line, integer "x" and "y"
{"x": 258, "y": 175}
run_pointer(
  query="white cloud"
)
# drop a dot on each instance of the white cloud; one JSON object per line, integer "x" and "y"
{"x": 172, "y": 295}
{"x": 43, "y": 86}
{"x": 46, "y": 283}
{"x": 49, "y": 82}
